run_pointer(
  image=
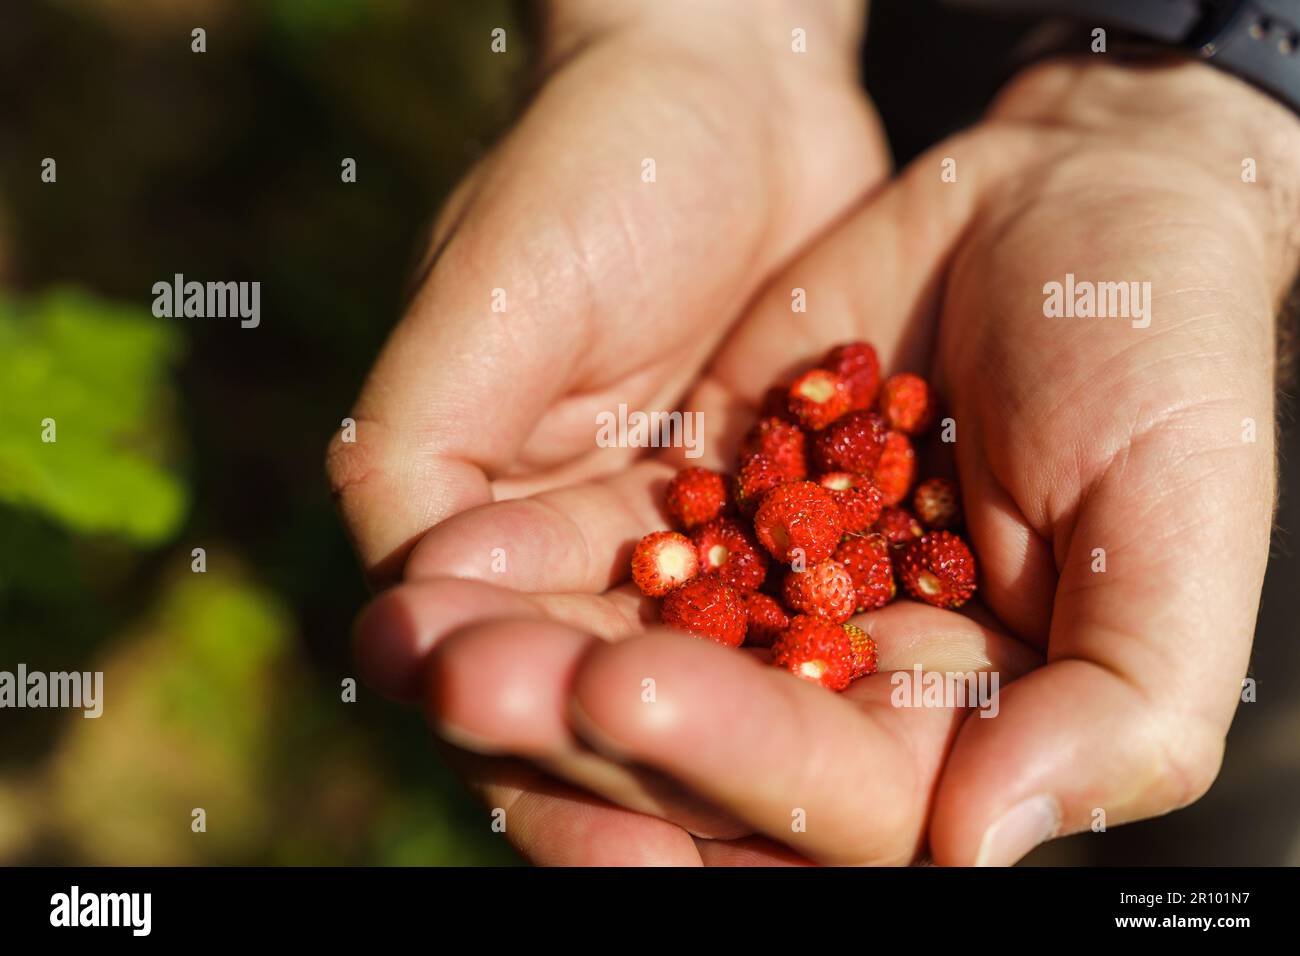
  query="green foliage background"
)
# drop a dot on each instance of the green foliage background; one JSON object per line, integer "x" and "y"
{"x": 222, "y": 689}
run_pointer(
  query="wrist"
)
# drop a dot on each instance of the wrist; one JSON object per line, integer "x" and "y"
{"x": 746, "y": 33}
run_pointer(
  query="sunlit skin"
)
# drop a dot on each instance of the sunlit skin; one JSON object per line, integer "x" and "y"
{"x": 475, "y": 433}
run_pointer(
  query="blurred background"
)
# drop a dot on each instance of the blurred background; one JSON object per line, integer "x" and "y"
{"x": 224, "y": 688}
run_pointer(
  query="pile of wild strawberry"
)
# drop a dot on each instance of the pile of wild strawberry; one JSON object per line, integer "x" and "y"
{"x": 821, "y": 481}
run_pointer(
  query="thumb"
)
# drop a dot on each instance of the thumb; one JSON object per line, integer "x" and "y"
{"x": 1145, "y": 659}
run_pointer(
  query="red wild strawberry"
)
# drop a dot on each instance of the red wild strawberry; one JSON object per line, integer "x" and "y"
{"x": 935, "y": 503}
{"x": 782, "y": 441}
{"x": 662, "y": 561}
{"x": 799, "y": 517}
{"x": 857, "y": 498}
{"x": 727, "y": 549}
{"x": 767, "y": 619}
{"x": 817, "y": 398}
{"x": 853, "y": 444}
{"x": 864, "y": 650}
{"x": 896, "y": 469}
{"x": 866, "y": 558}
{"x": 759, "y": 474}
{"x": 859, "y": 366}
{"x": 816, "y": 650}
{"x": 707, "y": 608}
{"x": 696, "y": 496}
{"x": 907, "y": 403}
{"x": 899, "y": 526}
{"x": 775, "y": 580}
{"x": 938, "y": 569}
{"x": 776, "y": 403}
{"x": 825, "y": 589}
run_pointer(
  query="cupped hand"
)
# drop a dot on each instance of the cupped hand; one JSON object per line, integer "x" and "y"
{"x": 672, "y": 157}
{"x": 1117, "y": 478}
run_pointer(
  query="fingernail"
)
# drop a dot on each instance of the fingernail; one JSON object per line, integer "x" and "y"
{"x": 458, "y": 737}
{"x": 389, "y": 648}
{"x": 1019, "y": 830}
{"x": 594, "y": 737}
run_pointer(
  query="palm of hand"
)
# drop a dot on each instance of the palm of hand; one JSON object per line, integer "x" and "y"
{"x": 596, "y": 257}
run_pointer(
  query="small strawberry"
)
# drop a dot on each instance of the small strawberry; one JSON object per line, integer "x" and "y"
{"x": 857, "y": 498}
{"x": 896, "y": 469}
{"x": 775, "y": 580}
{"x": 782, "y": 441}
{"x": 707, "y": 608}
{"x": 816, "y": 650}
{"x": 776, "y": 404}
{"x": 727, "y": 549}
{"x": 907, "y": 403}
{"x": 799, "y": 517}
{"x": 825, "y": 589}
{"x": 696, "y": 496}
{"x": 759, "y": 474}
{"x": 859, "y": 366}
{"x": 662, "y": 561}
{"x": 864, "y": 650}
{"x": 817, "y": 398}
{"x": 935, "y": 504}
{"x": 853, "y": 443}
{"x": 867, "y": 560}
{"x": 938, "y": 569}
{"x": 899, "y": 526}
{"x": 767, "y": 619}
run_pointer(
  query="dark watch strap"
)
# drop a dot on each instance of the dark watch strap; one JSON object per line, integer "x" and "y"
{"x": 1257, "y": 40}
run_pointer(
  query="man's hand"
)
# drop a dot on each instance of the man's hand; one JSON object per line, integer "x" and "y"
{"x": 1074, "y": 436}
{"x": 615, "y": 289}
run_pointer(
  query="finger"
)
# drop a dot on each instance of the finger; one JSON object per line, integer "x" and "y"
{"x": 578, "y": 538}
{"x": 747, "y": 851}
{"x": 398, "y": 630}
{"x": 552, "y": 824}
{"x": 1146, "y": 659}
{"x": 502, "y": 687}
{"x": 837, "y": 778}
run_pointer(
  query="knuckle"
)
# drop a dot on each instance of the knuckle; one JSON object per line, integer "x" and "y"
{"x": 349, "y": 462}
{"x": 1192, "y": 754}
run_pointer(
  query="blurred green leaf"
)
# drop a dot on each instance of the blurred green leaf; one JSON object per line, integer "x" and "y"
{"x": 100, "y": 371}
{"x": 409, "y": 835}
{"x": 196, "y": 694}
